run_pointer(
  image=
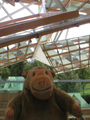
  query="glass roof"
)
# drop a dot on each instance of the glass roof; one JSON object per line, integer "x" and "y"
{"x": 55, "y": 32}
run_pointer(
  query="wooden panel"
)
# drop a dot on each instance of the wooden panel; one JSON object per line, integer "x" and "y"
{"x": 81, "y": 1}
{"x": 5, "y": 97}
{"x": 29, "y": 1}
{"x": 30, "y": 24}
{"x": 11, "y": 2}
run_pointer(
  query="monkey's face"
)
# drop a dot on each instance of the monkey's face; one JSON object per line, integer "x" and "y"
{"x": 41, "y": 83}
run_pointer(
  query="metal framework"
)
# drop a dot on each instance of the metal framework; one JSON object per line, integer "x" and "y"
{"x": 55, "y": 81}
{"x": 33, "y": 29}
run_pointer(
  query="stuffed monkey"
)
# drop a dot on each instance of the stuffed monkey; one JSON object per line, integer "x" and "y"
{"x": 41, "y": 100}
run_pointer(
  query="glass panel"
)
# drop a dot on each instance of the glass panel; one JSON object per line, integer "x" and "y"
{"x": 11, "y": 55}
{"x": 52, "y": 52}
{"x": 83, "y": 57}
{"x": 65, "y": 61}
{"x": 85, "y": 38}
{"x": 44, "y": 38}
{"x": 20, "y": 59}
{"x": 86, "y": 6}
{"x": 73, "y": 5}
{"x": 56, "y": 61}
{"x": 84, "y": 45}
{"x": 76, "y": 64}
{"x": 20, "y": 14}
{"x": 34, "y": 6}
{"x": 76, "y": 47}
{"x": 3, "y": 56}
{"x": 3, "y": 49}
{"x": 85, "y": 62}
{"x": 11, "y": 62}
{"x": 49, "y": 45}
{"x": 22, "y": 44}
{"x": 29, "y": 56}
{"x": 68, "y": 67}
{"x": 20, "y": 52}
{"x": 30, "y": 50}
{"x": 63, "y": 42}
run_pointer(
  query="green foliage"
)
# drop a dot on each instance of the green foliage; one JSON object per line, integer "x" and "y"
{"x": 68, "y": 87}
{"x": 68, "y": 76}
{"x": 5, "y": 73}
{"x": 83, "y": 74}
{"x": 16, "y": 69}
{"x": 74, "y": 75}
{"x": 30, "y": 65}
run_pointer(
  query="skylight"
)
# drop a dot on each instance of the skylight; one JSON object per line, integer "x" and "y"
{"x": 64, "y": 44}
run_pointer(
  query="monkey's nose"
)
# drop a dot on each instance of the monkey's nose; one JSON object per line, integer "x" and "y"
{"x": 42, "y": 84}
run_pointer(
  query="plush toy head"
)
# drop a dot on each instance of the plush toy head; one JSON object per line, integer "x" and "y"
{"x": 39, "y": 81}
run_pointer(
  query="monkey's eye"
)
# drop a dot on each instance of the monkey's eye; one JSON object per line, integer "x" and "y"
{"x": 34, "y": 74}
{"x": 46, "y": 73}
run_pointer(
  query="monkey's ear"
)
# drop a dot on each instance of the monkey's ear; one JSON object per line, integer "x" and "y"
{"x": 24, "y": 73}
{"x": 53, "y": 73}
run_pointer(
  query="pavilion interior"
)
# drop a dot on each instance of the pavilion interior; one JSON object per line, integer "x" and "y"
{"x": 55, "y": 32}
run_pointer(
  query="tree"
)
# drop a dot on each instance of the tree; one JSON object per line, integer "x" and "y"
{"x": 35, "y": 63}
{"x": 71, "y": 86}
{"x": 84, "y": 73}
{"x": 16, "y": 69}
{"x": 5, "y": 72}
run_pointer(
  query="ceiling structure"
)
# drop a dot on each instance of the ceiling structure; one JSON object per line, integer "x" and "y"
{"x": 40, "y": 28}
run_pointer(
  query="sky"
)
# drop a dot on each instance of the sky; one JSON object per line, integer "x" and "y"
{"x": 82, "y": 30}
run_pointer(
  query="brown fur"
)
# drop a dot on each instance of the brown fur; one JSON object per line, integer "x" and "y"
{"x": 48, "y": 104}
